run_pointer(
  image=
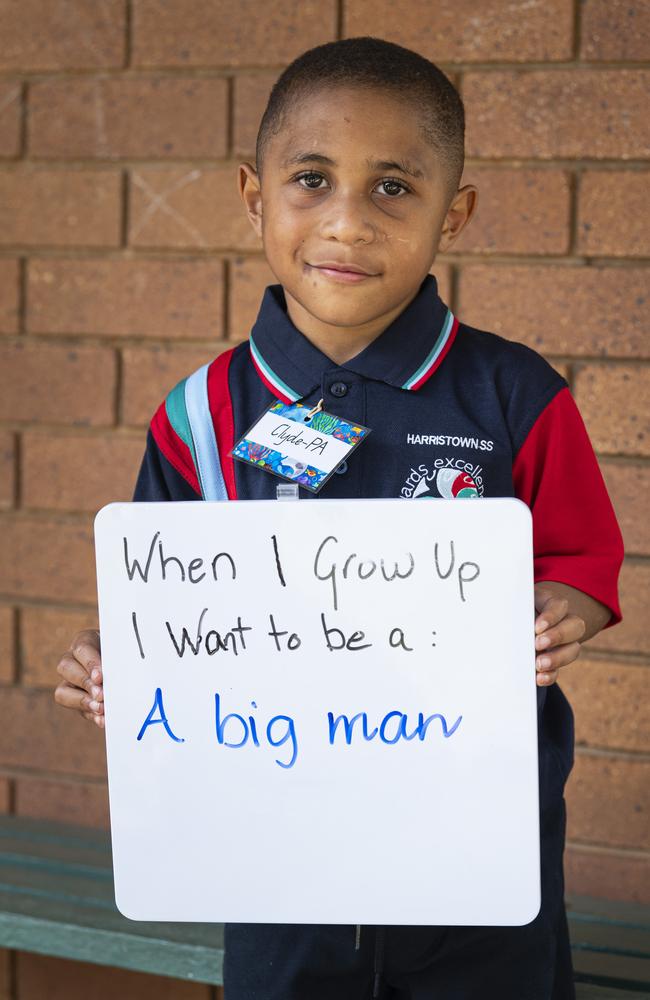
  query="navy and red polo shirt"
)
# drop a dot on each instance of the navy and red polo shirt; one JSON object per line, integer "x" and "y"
{"x": 454, "y": 412}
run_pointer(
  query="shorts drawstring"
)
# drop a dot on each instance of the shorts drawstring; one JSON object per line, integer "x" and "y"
{"x": 380, "y": 940}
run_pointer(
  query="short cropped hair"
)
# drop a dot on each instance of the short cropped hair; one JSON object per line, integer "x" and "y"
{"x": 374, "y": 62}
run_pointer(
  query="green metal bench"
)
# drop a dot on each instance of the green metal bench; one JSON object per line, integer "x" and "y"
{"x": 56, "y": 898}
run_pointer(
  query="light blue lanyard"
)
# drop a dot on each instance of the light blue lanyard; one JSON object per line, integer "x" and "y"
{"x": 209, "y": 472}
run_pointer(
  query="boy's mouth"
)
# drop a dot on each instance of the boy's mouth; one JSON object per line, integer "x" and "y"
{"x": 350, "y": 273}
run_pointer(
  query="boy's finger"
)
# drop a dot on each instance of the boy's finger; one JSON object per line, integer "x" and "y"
{"x": 75, "y": 674}
{"x": 551, "y": 612}
{"x": 86, "y": 649}
{"x": 547, "y": 678}
{"x": 561, "y": 656}
{"x": 97, "y": 719}
{"x": 570, "y": 629}
{"x": 69, "y": 696}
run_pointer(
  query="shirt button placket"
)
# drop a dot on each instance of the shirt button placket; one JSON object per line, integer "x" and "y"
{"x": 346, "y": 401}
{"x": 340, "y": 389}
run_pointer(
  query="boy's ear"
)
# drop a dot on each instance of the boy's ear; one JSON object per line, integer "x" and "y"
{"x": 458, "y": 215}
{"x": 251, "y": 194}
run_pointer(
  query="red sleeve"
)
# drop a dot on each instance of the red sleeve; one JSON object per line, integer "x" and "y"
{"x": 576, "y": 537}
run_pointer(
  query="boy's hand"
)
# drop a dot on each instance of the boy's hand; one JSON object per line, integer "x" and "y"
{"x": 81, "y": 669}
{"x": 557, "y": 633}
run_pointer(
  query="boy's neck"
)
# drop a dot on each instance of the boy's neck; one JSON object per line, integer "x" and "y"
{"x": 340, "y": 343}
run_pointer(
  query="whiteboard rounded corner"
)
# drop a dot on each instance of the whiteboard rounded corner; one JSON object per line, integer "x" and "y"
{"x": 531, "y": 910}
{"x": 105, "y": 513}
{"x": 524, "y": 510}
{"x": 126, "y": 908}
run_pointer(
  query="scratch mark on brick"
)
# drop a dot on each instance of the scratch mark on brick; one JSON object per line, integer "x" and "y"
{"x": 157, "y": 203}
{"x": 9, "y": 98}
{"x": 101, "y": 139}
{"x": 104, "y": 14}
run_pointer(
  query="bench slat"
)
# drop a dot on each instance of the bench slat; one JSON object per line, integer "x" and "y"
{"x": 607, "y": 911}
{"x": 122, "y": 949}
{"x": 51, "y": 910}
{"x": 610, "y": 941}
{"x": 55, "y": 841}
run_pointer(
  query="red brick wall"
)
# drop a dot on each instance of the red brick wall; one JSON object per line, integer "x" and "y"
{"x": 126, "y": 260}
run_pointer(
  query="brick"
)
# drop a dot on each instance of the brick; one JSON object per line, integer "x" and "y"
{"x": 9, "y": 295}
{"x": 251, "y": 93}
{"x": 608, "y": 224}
{"x": 5, "y": 808}
{"x": 518, "y": 211}
{"x": 45, "y": 634}
{"x": 39, "y": 734}
{"x": 58, "y": 383}
{"x": 109, "y": 118}
{"x": 61, "y": 34}
{"x": 231, "y": 33}
{"x": 79, "y": 802}
{"x": 607, "y": 874}
{"x": 189, "y": 208}
{"x": 608, "y": 701}
{"x": 631, "y": 635}
{"x": 151, "y": 372}
{"x": 6, "y": 989}
{"x": 129, "y": 297}
{"x": 597, "y": 311}
{"x": 7, "y": 466}
{"x": 10, "y": 117}
{"x": 629, "y": 487}
{"x": 615, "y": 29}
{"x": 47, "y": 558}
{"x": 568, "y": 113}
{"x": 463, "y": 31}
{"x": 75, "y": 472}
{"x": 40, "y": 976}
{"x": 60, "y": 207}
{"x": 615, "y": 403}
{"x": 7, "y": 644}
{"x": 607, "y": 801}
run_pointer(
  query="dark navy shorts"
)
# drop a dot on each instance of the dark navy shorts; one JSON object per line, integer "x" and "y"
{"x": 322, "y": 962}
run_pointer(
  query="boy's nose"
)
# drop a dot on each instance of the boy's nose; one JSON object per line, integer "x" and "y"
{"x": 346, "y": 221}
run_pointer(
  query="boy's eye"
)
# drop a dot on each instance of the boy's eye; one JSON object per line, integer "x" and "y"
{"x": 391, "y": 183}
{"x": 312, "y": 181}
{"x": 308, "y": 178}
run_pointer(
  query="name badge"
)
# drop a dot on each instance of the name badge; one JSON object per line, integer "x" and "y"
{"x": 302, "y": 444}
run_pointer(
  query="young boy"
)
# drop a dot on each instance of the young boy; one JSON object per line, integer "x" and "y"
{"x": 359, "y": 158}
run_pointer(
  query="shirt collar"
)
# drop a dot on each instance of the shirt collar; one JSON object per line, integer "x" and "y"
{"x": 405, "y": 355}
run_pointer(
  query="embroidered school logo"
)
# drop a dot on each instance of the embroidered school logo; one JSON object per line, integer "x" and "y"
{"x": 448, "y": 478}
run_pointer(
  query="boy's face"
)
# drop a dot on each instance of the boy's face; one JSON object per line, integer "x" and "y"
{"x": 326, "y": 198}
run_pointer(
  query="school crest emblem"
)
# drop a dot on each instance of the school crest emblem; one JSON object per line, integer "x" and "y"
{"x": 448, "y": 478}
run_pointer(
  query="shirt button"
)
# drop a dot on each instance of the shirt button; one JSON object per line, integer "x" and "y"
{"x": 342, "y": 469}
{"x": 339, "y": 389}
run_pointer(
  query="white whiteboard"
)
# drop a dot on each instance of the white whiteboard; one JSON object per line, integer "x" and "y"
{"x": 408, "y": 822}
